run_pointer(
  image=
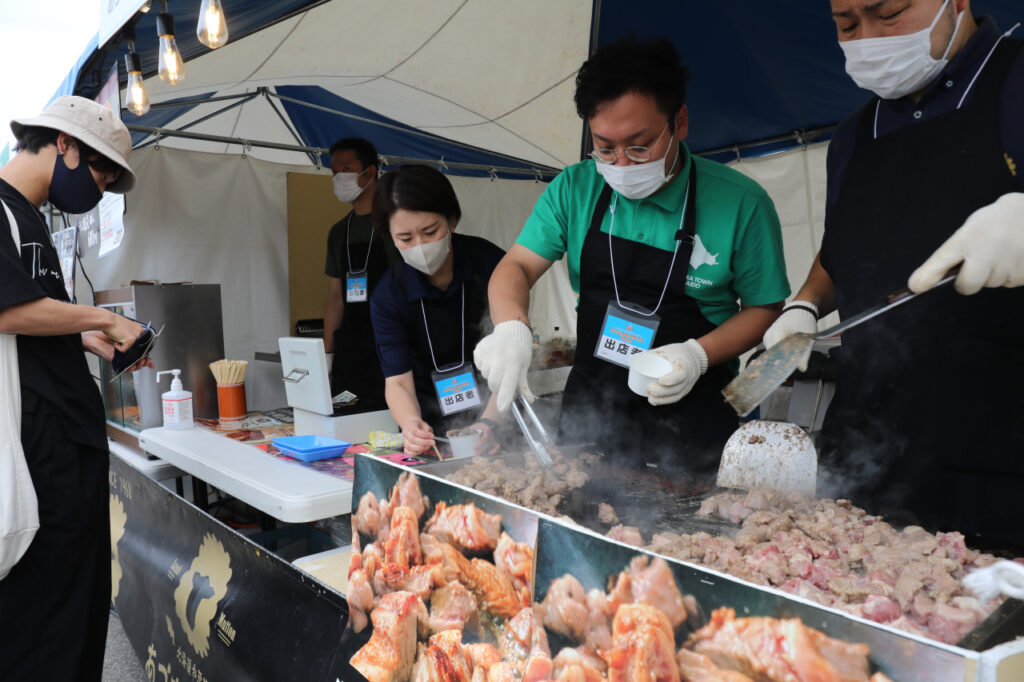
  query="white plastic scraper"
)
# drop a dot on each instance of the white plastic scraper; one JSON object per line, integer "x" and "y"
{"x": 774, "y": 455}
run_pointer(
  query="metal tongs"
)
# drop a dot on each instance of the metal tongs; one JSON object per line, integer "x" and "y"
{"x": 539, "y": 440}
{"x": 767, "y": 372}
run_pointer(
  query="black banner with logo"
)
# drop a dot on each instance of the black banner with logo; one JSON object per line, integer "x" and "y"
{"x": 201, "y": 603}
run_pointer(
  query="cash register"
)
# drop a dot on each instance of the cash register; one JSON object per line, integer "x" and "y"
{"x": 308, "y": 386}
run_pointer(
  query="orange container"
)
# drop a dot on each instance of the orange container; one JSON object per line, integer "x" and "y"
{"x": 231, "y": 401}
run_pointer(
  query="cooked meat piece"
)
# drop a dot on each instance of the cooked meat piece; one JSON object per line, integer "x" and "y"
{"x": 694, "y": 667}
{"x": 493, "y": 589}
{"x": 774, "y": 649}
{"x": 606, "y": 514}
{"x": 514, "y": 559}
{"x": 451, "y": 607}
{"x": 450, "y": 642}
{"x": 643, "y": 646}
{"x": 430, "y": 548}
{"x": 360, "y": 599}
{"x": 407, "y": 493}
{"x": 390, "y": 653}
{"x": 465, "y": 526}
{"x": 482, "y": 656}
{"x": 836, "y": 554}
{"x": 654, "y": 584}
{"x": 572, "y": 666}
{"x": 565, "y": 608}
{"x": 521, "y": 637}
{"x": 599, "y": 615}
{"x": 367, "y": 519}
{"x": 403, "y": 545}
{"x": 501, "y": 672}
{"x": 436, "y": 663}
{"x": 627, "y": 534}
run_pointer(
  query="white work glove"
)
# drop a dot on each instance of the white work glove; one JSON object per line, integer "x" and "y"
{"x": 990, "y": 245}
{"x": 689, "y": 362}
{"x": 796, "y": 318}
{"x": 503, "y": 357}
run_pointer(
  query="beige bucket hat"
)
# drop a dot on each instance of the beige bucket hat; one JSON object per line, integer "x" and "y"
{"x": 93, "y": 124}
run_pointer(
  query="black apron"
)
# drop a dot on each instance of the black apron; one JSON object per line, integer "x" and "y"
{"x": 597, "y": 406}
{"x": 927, "y": 423}
{"x": 445, "y": 317}
{"x": 356, "y": 365}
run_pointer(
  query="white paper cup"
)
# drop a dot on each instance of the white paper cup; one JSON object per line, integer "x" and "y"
{"x": 645, "y": 368}
{"x": 464, "y": 446}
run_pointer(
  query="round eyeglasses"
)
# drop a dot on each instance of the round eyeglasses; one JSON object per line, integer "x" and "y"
{"x": 636, "y": 154}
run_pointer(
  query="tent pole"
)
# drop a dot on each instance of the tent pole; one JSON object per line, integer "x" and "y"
{"x": 266, "y": 95}
{"x": 220, "y": 111}
{"x": 535, "y": 171}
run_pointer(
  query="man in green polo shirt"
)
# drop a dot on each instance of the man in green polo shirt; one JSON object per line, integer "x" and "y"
{"x": 671, "y": 255}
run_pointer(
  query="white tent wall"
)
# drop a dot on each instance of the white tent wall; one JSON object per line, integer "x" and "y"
{"x": 220, "y": 218}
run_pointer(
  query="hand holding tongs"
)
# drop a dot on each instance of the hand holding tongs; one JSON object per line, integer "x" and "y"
{"x": 541, "y": 444}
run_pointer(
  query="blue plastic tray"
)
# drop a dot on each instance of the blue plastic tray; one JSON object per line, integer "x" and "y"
{"x": 311, "y": 448}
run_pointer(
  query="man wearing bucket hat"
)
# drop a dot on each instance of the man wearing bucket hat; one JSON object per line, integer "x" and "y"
{"x": 54, "y": 603}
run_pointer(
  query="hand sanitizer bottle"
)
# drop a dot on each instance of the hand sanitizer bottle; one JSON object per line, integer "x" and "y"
{"x": 177, "y": 403}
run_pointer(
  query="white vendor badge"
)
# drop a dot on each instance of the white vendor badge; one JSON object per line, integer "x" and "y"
{"x": 625, "y": 333}
{"x": 356, "y": 285}
{"x": 456, "y": 389}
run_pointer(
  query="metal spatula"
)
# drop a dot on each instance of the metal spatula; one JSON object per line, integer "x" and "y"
{"x": 534, "y": 432}
{"x": 767, "y": 372}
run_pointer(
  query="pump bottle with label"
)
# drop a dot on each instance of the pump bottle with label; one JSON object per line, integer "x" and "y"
{"x": 177, "y": 403}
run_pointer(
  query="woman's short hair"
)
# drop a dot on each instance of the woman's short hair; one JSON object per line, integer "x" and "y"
{"x": 413, "y": 187}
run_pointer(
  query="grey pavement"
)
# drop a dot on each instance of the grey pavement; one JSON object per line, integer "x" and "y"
{"x": 120, "y": 663}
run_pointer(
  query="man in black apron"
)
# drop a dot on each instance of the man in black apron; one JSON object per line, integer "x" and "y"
{"x": 357, "y": 257}
{"x": 671, "y": 254}
{"x": 927, "y": 423}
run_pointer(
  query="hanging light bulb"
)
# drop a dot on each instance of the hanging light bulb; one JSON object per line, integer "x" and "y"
{"x": 138, "y": 99}
{"x": 212, "y": 29}
{"x": 172, "y": 69}
{"x": 146, "y": 6}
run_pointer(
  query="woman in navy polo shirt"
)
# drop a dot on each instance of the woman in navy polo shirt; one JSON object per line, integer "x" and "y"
{"x": 428, "y": 310}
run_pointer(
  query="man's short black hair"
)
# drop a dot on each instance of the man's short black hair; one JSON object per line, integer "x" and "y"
{"x": 651, "y": 67}
{"x": 364, "y": 149}
{"x": 34, "y": 138}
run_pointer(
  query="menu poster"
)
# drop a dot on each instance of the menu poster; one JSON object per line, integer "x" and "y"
{"x": 66, "y": 241}
{"x": 111, "y": 222}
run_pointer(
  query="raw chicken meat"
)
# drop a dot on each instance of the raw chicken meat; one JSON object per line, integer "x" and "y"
{"x": 643, "y": 646}
{"x": 465, "y": 526}
{"x": 778, "y": 650}
{"x": 493, "y": 589}
{"x": 391, "y": 651}
{"x": 694, "y": 667}
{"x": 451, "y": 607}
{"x": 565, "y": 608}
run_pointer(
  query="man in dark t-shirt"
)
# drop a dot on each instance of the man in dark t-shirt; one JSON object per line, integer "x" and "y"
{"x": 54, "y": 603}
{"x": 357, "y": 258}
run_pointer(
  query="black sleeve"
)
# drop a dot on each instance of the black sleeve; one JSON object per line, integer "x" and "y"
{"x": 331, "y": 268}
{"x": 16, "y": 285}
{"x": 490, "y": 255}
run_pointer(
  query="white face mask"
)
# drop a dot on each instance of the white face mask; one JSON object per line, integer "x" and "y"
{"x": 637, "y": 181}
{"x": 429, "y": 257}
{"x": 895, "y": 66}
{"x": 346, "y": 186}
